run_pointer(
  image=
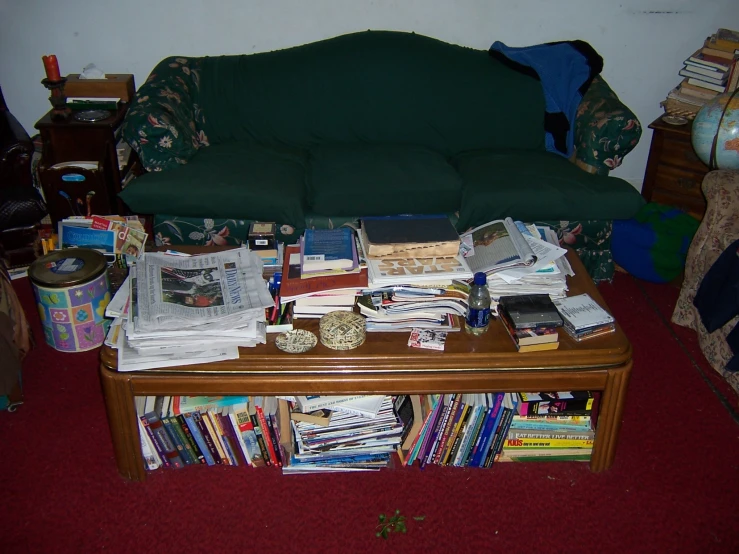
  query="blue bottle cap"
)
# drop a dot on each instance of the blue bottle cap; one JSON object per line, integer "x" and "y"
{"x": 480, "y": 278}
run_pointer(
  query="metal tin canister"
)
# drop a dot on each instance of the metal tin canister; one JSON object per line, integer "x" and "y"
{"x": 72, "y": 292}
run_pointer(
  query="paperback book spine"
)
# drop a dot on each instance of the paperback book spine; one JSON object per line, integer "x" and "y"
{"x": 459, "y": 435}
{"x": 207, "y": 438}
{"x": 266, "y": 436}
{"x": 198, "y": 437}
{"x": 455, "y": 413}
{"x": 216, "y": 436}
{"x": 259, "y": 432}
{"x": 164, "y": 440}
{"x": 476, "y": 436}
{"x": 157, "y": 446}
{"x": 192, "y": 443}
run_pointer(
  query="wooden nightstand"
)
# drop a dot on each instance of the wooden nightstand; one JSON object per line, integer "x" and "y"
{"x": 74, "y": 191}
{"x": 674, "y": 173}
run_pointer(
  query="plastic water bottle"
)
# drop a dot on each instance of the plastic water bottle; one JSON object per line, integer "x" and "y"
{"x": 478, "y": 311}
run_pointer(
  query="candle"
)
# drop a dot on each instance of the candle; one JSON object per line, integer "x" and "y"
{"x": 51, "y": 65}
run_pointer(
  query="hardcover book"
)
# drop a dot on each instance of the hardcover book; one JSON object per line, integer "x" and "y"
{"x": 409, "y": 236}
{"x": 580, "y": 402}
{"x": 328, "y": 249}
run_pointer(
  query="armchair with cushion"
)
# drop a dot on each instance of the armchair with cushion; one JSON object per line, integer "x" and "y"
{"x": 718, "y": 229}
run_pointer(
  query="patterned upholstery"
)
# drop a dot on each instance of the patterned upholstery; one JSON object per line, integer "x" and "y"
{"x": 719, "y": 228}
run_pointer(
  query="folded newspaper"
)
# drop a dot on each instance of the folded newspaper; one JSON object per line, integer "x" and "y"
{"x": 189, "y": 310}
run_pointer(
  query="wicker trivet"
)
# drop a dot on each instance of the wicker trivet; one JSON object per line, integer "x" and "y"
{"x": 342, "y": 330}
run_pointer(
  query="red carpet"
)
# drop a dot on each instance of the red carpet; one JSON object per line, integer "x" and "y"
{"x": 673, "y": 487}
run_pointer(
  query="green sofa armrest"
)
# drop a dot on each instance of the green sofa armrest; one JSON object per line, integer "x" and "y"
{"x": 605, "y": 130}
{"x": 164, "y": 122}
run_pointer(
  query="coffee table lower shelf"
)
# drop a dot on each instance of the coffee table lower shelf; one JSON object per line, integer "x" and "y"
{"x": 120, "y": 388}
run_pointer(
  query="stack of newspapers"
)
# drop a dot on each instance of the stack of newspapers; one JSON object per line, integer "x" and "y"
{"x": 179, "y": 310}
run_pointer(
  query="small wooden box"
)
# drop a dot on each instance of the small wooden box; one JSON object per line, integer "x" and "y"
{"x": 262, "y": 236}
{"x": 115, "y": 85}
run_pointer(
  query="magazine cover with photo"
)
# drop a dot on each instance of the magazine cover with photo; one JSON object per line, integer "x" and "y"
{"x": 192, "y": 287}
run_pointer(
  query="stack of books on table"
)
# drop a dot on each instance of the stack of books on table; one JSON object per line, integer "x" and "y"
{"x": 709, "y": 71}
{"x": 531, "y": 320}
{"x": 189, "y": 309}
{"x": 551, "y": 426}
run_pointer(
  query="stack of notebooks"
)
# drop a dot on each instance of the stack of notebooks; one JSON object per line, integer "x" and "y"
{"x": 708, "y": 72}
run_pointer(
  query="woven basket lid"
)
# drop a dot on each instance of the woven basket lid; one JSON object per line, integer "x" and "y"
{"x": 342, "y": 330}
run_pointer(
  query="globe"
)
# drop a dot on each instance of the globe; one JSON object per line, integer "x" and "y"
{"x": 720, "y": 115}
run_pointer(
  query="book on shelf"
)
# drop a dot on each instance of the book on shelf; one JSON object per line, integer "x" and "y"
{"x": 718, "y": 80}
{"x": 584, "y": 435}
{"x": 702, "y": 59}
{"x": 162, "y": 436}
{"x": 185, "y": 404}
{"x": 546, "y": 455}
{"x": 565, "y": 402}
{"x": 709, "y": 47}
{"x": 712, "y": 72}
{"x": 311, "y": 403}
{"x": 695, "y": 91}
{"x": 329, "y": 299}
{"x": 552, "y": 421}
{"x": 327, "y": 249}
{"x": 320, "y": 417}
{"x": 547, "y": 443}
{"x": 409, "y": 236}
{"x": 409, "y": 411}
{"x": 293, "y": 287}
{"x": 706, "y": 85}
{"x": 726, "y": 39}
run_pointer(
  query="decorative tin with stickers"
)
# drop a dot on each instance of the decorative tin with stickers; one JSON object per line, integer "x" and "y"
{"x": 72, "y": 291}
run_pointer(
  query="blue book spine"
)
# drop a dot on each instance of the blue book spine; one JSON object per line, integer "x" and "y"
{"x": 198, "y": 436}
{"x": 488, "y": 433}
{"x": 328, "y": 249}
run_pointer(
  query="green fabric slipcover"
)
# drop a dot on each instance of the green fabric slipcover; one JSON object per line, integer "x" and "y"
{"x": 404, "y": 179}
{"x": 555, "y": 189}
{"x": 227, "y": 181}
{"x": 372, "y": 87}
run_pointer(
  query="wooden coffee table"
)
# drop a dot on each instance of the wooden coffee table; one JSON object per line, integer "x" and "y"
{"x": 384, "y": 364}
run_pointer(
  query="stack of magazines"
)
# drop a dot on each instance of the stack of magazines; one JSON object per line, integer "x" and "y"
{"x": 518, "y": 258}
{"x": 185, "y": 310}
{"x": 348, "y": 443}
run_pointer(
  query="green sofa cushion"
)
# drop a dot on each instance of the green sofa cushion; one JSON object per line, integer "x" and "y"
{"x": 371, "y": 179}
{"x": 372, "y": 87}
{"x": 555, "y": 189}
{"x": 226, "y": 181}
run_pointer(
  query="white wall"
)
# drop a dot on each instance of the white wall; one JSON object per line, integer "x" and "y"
{"x": 643, "y": 42}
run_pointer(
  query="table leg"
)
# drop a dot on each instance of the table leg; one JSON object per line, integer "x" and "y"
{"x": 613, "y": 398}
{"x": 124, "y": 430}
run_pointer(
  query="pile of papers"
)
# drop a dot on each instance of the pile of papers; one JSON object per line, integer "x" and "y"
{"x": 120, "y": 239}
{"x": 180, "y": 310}
{"x": 546, "y": 274}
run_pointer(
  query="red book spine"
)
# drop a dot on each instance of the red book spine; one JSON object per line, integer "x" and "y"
{"x": 267, "y": 436}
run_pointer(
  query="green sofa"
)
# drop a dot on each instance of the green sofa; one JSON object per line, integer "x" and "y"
{"x": 371, "y": 123}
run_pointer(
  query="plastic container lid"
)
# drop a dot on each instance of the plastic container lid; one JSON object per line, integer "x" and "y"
{"x": 480, "y": 278}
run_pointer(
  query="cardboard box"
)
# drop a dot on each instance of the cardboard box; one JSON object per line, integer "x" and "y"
{"x": 115, "y": 85}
